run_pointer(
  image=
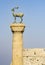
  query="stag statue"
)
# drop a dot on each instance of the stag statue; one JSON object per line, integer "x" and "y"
{"x": 17, "y": 14}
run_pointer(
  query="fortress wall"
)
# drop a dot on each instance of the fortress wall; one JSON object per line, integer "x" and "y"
{"x": 34, "y": 56}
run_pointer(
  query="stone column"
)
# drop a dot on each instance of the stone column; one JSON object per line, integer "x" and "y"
{"x": 17, "y": 43}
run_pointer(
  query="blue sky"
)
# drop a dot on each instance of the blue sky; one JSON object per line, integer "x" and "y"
{"x": 34, "y": 20}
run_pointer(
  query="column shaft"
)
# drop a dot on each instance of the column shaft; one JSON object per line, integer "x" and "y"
{"x": 17, "y": 48}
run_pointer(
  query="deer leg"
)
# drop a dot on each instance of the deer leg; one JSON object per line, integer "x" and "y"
{"x": 21, "y": 19}
{"x": 14, "y": 20}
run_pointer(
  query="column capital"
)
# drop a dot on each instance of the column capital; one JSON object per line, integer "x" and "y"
{"x": 17, "y": 27}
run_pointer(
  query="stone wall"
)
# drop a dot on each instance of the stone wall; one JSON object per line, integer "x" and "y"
{"x": 34, "y": 56}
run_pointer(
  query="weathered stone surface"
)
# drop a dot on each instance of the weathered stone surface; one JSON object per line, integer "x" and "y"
{"x": 34, "y": 56}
